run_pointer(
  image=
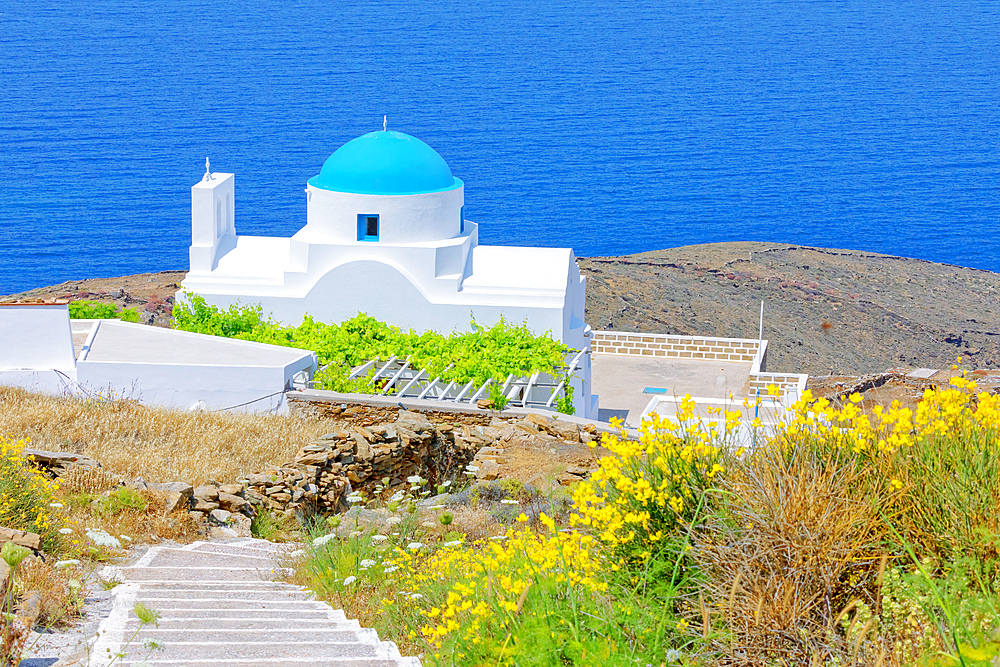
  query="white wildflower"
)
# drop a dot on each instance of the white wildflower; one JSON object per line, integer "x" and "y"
{"x": 320, "y": 541}
{"x": 366, "y": 563}
{"x": 445, "y": 485}
{"x": 416, "y": 596}
{"x": 298, "y": 553}
{"x": 396, "y": 497}
{"x": 472, "y": 468}
{"x": 499, "y": 537}
{"x": 66, "y": 531}
{"x": 350, "y": 580}
{"x": 414, "y": 546}
{"x": 453, "y": 543}
{"x": 393, "y": 520}
{"x": 377, "y": 539}
{"x": 508, "y": 501}
{"x": 414, "y": 479}
{"x": 56, "y": 505}
{"x": 390, "y": 569}
{"x": 436, "y": 507}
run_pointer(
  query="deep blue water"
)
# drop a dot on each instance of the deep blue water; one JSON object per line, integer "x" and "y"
{"x": 612, "y": 127}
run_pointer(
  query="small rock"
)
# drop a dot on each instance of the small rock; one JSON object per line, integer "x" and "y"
{"x": 219, "y": 516}
{"x": 231, "y": 489}
{"x": 241, "y": 524}
{"x": 201, "y": 505}
{"x": 21, "y": 537}
{"x": 488, "y": 470}
{"x": 206, "y": 492}
{"x": 259, "y": 480}
{"x": 232, "y": 503}
{"x": 559, "y": 428}
{"x": 312, "y": 458}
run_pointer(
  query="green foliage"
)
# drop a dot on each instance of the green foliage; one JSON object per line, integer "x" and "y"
{"x": 267, "y": 526}
{"x": 121, "y": 500}
{"x": 498, "y": 399}
{"x": 480, "y": 354}
{"x": 128, "y": 315}
{"x": 564, "y": 403}
{"x": 98, "y": 310}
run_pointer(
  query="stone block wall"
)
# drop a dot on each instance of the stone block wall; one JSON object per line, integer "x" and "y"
{"x": 785, "y": 382}
{"x": 678, "y": 347}
{"x": 701, "y": 348}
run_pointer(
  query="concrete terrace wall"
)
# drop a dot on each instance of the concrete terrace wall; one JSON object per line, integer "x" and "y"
{"x": 786, "y": 383}
{"x": 680, "y": 347}
{"x": 703, "y": 348}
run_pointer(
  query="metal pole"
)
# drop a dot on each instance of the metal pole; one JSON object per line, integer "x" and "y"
{"x": 760, "y": 332}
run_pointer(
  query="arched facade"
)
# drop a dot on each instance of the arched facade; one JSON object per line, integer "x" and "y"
{"x": 386, "y": 235}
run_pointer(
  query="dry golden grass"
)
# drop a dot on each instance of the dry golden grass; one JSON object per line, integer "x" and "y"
{"x": 157, "y": 444}
{"x": 799, "y": 545}
{"x": 50, "y": 596}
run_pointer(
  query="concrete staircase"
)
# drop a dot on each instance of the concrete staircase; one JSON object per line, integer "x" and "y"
{"x": 219, "y": 605}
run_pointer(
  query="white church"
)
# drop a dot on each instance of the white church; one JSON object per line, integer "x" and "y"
{"x": 386, "y": 235}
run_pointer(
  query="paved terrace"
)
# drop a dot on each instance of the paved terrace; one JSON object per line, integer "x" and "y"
{"x": 621, "y": 381}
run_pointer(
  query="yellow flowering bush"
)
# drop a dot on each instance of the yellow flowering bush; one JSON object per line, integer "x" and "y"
{"x": 490, "y": 582}
{"x": 26, "y": 493}
{"x": 649, "y": 488}
{"x": 942, "y": 457}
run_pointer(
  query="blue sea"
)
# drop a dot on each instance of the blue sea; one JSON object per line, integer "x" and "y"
{"x": 612, "y": 127}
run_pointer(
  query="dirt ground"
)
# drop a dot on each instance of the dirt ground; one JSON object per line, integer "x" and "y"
{"x": 152, "y": 294}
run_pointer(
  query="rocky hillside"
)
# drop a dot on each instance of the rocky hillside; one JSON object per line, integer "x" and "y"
{"x": 825, "y": 311}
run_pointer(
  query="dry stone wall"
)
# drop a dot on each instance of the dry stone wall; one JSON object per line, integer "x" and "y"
{"x": 354, "y": 457}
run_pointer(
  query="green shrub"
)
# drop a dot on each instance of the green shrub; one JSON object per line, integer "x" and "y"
{"x": 121, "y": 500}
{"x": 99, "y": 310}
{"x": 478, "y": 355}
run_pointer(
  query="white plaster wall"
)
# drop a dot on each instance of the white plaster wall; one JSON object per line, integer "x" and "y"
{"x": 46, "y": 382}
{"x": 182, "y": 385}
{"x": 36, "y": 337}
{"x": 212, "y": 218}
{"x": 332, "y": 217}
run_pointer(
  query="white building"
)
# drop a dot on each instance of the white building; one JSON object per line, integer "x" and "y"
{"x": 41, "y": 349}
{"x": 386, "y": 235}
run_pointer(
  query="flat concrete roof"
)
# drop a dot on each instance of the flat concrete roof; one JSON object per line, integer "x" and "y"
{"x": 619, "y": 380}
{"x": 118, "y": 341}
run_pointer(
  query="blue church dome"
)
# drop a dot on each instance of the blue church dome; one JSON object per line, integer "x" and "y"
{"x": 385, "y": 163}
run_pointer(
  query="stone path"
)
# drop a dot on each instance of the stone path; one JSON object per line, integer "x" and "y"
{"x": 220, "y": 605}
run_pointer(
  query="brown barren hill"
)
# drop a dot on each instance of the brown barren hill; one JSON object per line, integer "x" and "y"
{"x": 152, "y": 294}
{"x": 825, "y": 311}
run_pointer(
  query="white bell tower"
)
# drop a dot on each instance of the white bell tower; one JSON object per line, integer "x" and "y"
{"x": 212, "y": 218}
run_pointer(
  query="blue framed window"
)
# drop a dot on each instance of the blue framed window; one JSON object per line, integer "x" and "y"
{"x": 367, "y": 227}
{"x": 461, "y": 228}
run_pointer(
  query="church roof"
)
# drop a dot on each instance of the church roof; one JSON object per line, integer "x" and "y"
{"x": 385, "y": 163}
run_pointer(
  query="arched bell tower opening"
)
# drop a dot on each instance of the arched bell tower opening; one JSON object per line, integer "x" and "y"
{"x": 212, "y": 218}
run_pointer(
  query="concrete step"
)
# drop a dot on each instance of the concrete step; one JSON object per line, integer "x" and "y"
{"x": 280, "y": 606}
{"x": 219, "y": 605}
{"x": 311, "y": 661}
{"x": 153, "y": 574}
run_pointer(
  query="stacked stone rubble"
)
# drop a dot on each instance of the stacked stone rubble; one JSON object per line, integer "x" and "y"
{"x": 354, "y": 458}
